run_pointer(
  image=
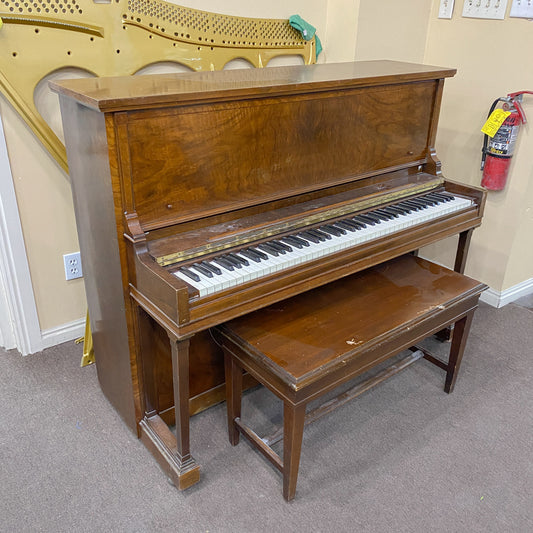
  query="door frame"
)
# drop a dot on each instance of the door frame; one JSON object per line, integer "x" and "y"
{"x": 19, "y": 322}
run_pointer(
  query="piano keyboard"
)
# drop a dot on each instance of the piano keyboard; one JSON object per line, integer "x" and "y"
{"x": 238, "y": 267}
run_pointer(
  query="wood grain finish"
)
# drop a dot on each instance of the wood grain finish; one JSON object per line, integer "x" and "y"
{"x": 160, "y": 90}
{"x": 164, "y": 167}
{"x": 224, "y": 157}
{"x": 308, "y": 345}
{"x": 318, "y": 328}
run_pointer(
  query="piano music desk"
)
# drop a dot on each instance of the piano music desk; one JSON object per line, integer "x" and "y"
{"x": 305, "y": 346}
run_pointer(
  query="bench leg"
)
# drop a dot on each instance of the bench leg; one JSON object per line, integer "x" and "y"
{"x": 293, "y": 428}
{"x": 459, "y": 338}
{"x": 233, "y": 395}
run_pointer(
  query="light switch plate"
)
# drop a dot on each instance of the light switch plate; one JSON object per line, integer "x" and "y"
{"x": 446, "y": 9}
{"x": 522, "y": 9}
{"x": 485, "y": 9}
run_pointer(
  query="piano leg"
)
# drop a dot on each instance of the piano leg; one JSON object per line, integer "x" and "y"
{"x": 462, "y": 251}
{"x": 460, "y": 262}
{"x": 188, "y": 470}
{"x": 172, "y": 451}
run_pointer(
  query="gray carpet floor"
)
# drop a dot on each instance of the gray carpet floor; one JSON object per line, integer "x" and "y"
{"x": 404, "y": 457}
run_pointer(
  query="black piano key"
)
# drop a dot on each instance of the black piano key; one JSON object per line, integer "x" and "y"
{"x": 407, "y": 205}
{"x": 322, "y": 233}
{"x": 284, "y": 244}
{"x": 384, "y": 215}
{"x": 420, "y": 202}
{"x": 373, "y": 216}
{"x": 224, "y": 263}
{"x": 241, "y": 260}
{"x": 235, "y": 262}
{"x": 357, "y": 224}
{"x": 309, "y": 236}
{"x": 292, "y": 241}
{"x": 200, "y": 268}
{"x": 212, "y": 267}
{"x": 320, "y": 238}
{"x": 299, "y": 240}
{"x": 345, "y": 224}
{"x": 333, "y": 230}
{"x": 364, "y": 220}
{"x": 318, "y": 234}
{"x": 261, "y": 254}
{"x": 396, "y": 210}
{"x": 429, "y": 200}
{"x": 189, "y": 274}
{"x": 268, "y": 249}
{"x": 399, "y": 209}
{"x": 416, "y": 205}
{"x": 278, "y": 246}
{"x": 369, "y": 218}
{"x": 250, "y": 254}
{"x": 448, "y": 195}
{"x": 445, "y": 197}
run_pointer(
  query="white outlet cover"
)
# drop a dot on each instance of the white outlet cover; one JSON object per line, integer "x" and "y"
{"x": 446, "y": 9}
{"x": 522, "y": 9}
{"x": 485, "y": 9}
{"x": 72, "y": 265}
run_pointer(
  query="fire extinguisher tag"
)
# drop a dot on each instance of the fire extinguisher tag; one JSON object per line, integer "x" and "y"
{"x": 494, "y": 122}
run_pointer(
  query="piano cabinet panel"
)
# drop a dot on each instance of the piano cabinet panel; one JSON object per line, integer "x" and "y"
{"x": 194, "y": 161}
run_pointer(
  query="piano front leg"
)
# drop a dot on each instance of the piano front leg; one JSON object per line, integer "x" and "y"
{"x": 188, "y": 471}
{"x": 172, "y": 451}
{"x": 462, "y": 250}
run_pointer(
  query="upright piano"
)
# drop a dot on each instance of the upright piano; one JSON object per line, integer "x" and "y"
{"x": 201, "y": 197}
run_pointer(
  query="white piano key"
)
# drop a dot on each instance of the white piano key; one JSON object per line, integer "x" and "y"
{"x": 290, "y": 259}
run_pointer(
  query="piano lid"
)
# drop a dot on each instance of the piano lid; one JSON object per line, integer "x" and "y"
{"x": 137, "y": 92}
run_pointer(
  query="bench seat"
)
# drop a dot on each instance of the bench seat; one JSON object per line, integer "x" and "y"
{"x": 304, "y": 347}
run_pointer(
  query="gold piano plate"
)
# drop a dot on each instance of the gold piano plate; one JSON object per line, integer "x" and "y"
{"x": 121, "y": 37}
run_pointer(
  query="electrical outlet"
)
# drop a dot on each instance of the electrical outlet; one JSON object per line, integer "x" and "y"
{"x": 485, "y": 9}
{"x": 72, "y": 263}
{"x": 522, "y": 9}
{"x": 446, "y": 9}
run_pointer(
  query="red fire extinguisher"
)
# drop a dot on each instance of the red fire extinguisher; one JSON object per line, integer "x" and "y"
{"x": 498, "y": 150}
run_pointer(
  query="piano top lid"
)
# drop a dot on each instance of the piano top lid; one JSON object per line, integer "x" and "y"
{"x": 156, "y": 90}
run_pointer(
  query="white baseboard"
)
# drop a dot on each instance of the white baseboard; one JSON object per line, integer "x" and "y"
{"x": 499, "y": 299}
{"x": 64, "y": 333}
{"x": 76, "y": 329}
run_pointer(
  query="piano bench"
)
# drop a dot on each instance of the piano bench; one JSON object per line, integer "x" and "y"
{"x": 306, "y": 346}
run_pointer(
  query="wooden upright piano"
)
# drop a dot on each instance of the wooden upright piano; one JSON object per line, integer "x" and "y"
{"x": 201, "y": 197}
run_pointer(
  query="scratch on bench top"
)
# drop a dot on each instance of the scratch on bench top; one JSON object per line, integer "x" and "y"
{"x": 353, "y": 342}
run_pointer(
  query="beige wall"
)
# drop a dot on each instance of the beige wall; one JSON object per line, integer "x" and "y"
{"x": 392, "y": 29}
{"x": 501, "y": 254}
{"x": 493, "y": 58}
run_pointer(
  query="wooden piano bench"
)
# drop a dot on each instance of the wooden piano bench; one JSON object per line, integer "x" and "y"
{"x": 305, "y": 346}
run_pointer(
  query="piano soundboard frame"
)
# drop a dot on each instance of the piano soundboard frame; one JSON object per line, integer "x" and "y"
{"x": 155, "y": 159}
